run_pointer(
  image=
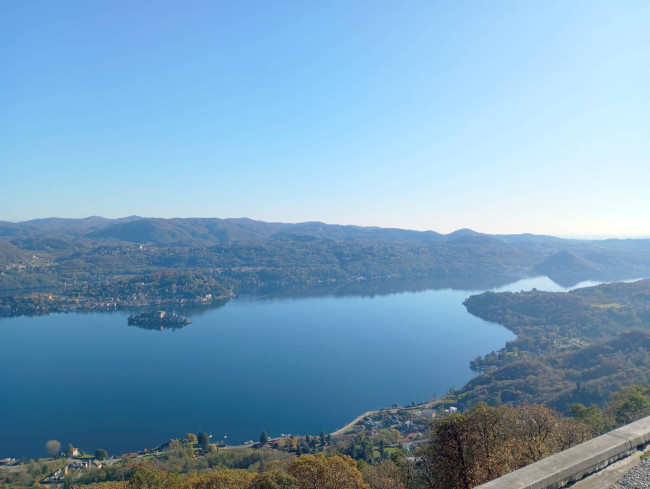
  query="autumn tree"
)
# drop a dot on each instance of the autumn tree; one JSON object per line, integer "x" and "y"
{"x": 483, "y": 443}
{"x": 293, "y": 443}
{"x": 385, "y": 475}
{"x": 53, "y": 447}
{"x": 154, "y": 479}
{"x": 275, "y": 479}
{"x": 532, "y": 428}
{"x": 489, "y": 434}
{"x": 446, "y": 461}
{"x": 572, "y": 432}
{"x": 319, "y": 472}
{"x": 222, "y": 479}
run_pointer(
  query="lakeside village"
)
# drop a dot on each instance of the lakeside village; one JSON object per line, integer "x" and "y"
{"x": 36, "y": 304}
{"x": 372, "y": 436}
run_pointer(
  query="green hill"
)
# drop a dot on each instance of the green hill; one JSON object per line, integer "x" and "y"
{"x": 571, "y": 347}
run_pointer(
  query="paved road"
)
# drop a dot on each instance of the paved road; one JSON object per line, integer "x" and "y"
{"x": 356, "y": 420}
{"x": 348, "y": 426}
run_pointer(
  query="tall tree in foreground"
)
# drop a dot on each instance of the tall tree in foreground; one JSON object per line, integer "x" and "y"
{"x": 483, "y": 443}
{"x": 385, "y": 475}
{"x": 319, "y": 472}
{"x": 275, "y": 479}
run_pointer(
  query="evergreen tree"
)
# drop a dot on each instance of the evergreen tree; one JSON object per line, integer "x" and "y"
{"x": 204, "y": 441}
{"x": 264, "y": 438}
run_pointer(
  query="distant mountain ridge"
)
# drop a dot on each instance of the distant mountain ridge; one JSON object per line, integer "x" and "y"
{"x": 401, "y": 251}
{"x": 164, "y": 231}
{"x": 200, "y": 231}
{"x": 92, "y": 222}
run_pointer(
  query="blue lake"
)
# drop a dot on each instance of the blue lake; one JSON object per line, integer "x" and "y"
{"x": 284, "y": 365}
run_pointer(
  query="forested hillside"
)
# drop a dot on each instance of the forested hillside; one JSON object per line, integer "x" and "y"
{"x": 571, "y": 347}
{"x": 97, "y": 261}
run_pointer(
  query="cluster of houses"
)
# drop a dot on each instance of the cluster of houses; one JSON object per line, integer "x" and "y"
{"x": 411, "y": 424}
{"x": 73, "y": 466}
{"x": 568, "y": 343}
{"x": 409, "y": 427}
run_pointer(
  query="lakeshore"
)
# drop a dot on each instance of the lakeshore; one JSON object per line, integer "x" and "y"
{"x": 407, "y": 425}
{"x": 38, "y": 304}
{"x": 212, "y": 374}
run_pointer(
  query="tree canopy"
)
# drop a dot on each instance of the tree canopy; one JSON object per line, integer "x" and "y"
{"x": 53, "y": 447}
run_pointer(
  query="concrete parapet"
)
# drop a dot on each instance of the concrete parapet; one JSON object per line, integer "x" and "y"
{"x": 571, "y": 465}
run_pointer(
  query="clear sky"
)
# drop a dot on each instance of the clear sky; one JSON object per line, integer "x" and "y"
{"x": 502, "y": 116}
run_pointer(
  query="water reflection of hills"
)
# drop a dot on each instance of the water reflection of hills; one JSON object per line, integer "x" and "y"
{"x": 569, "y": 279}
{"x": 361, "y": 288}
{"x": 365, "y": 288}
{"x": 380, "y": 287}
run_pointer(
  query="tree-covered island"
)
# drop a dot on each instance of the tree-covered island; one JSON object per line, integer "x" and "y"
{"x": 158, "y": 320}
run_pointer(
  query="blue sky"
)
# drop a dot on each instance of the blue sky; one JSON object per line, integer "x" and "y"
{"x": 504, "y": 117}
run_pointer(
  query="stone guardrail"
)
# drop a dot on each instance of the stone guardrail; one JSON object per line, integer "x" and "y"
{"x": 571, "y": 465}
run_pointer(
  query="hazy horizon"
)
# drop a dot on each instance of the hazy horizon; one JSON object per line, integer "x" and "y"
{"x": 578, "y": 237}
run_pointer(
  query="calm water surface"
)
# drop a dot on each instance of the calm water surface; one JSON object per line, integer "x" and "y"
{"x": 280, "y": 365}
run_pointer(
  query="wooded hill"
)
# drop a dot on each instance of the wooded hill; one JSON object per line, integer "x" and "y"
{"x": 571, "y": 347}
{"x": 172, "y": 259}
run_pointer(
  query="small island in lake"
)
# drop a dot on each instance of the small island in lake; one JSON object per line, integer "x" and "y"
{"x": 158, "y": 320}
